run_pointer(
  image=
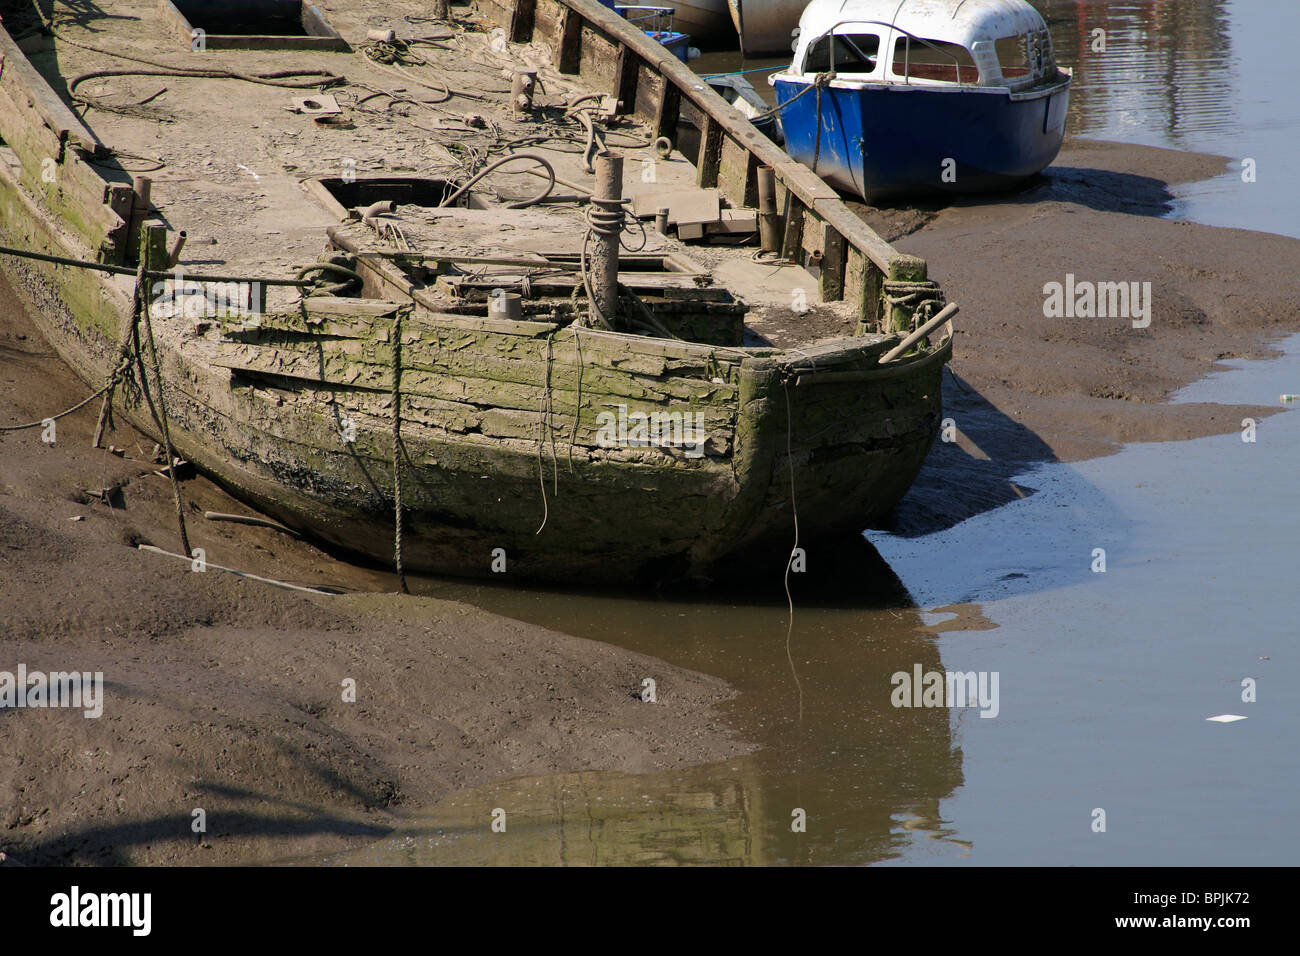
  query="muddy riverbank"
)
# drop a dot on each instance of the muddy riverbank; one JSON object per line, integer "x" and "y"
{"x": 1030, "y": 388}
{"x": 225, "y": 695}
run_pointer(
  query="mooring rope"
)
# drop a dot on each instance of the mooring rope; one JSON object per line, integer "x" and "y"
{"x": 51, "y": 418}
{"x": 149, "y": 273}
{"x": 544, "y": 426}
{"x": 821, "y": 80}
{"x": 794, "y": 508}
{"x": 123, "y": 354}
{"x": 123, "y": 363}
{"x": 162, "y": 421}
{"x": 397, "y": 451}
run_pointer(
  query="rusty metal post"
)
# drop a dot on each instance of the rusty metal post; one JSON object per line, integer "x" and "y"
{"x": 522, "y": 84}
{"x": 769, "y": 222}
{"x": 505, "y": 305}
{"x": 661, "y": 220}
{"x": 142, "y": 186}
{"x": 607, "y": 225}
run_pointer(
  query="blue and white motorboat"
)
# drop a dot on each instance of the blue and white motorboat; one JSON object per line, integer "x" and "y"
{"x": 896, "y": 97}
{"x": 657, "y": 24}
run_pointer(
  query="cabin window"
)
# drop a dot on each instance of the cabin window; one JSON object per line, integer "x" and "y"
{"x": 1013, "y": 54}
{"x": 919, "y": 59}
{"x": 855, "y": 53}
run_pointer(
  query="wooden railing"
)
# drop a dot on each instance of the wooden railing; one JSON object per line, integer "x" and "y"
{"x": 612, "y": 55}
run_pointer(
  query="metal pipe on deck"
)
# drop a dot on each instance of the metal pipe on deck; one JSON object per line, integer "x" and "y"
{"x": 505, "y": 305}
{"x": 769, "y": 222}
{"x": 142, "y": 187}
{"x": 522, "y": 85}
{"x": 174, "y": 256}
{"x": 606, "y": 217}
{"x": 661, "y": 220}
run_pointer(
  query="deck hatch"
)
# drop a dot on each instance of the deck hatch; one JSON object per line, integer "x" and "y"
{"x": 404, "y": 190}
{"x": 252, "y": 24}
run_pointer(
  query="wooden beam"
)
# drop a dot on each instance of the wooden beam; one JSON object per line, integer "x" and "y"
{"x": 832, "y": 274}
{"x": 522, "y": 18}
{"x": 625, "y": 73}
{"x": 22, "y": 81}
{"x": 568, "y": 35}
{"x": 667, "y": 110}
{"x": 709, "y": 161}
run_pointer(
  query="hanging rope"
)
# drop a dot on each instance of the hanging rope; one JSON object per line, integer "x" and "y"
{"x": 161, "y": 415}
{"x": 123, "y": 354}
{"x": 123, "y": 364}
{"x": 794, "y": 548}
{"x": 545, "y": 427}
{"x": 397, "y": 450}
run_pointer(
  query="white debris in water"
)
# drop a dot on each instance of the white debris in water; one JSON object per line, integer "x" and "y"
{"x": 1226, "y": 718}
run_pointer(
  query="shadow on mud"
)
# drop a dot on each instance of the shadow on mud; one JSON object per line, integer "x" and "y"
{"x": 1103, "y": 190}
{"x": 974, "y": 472}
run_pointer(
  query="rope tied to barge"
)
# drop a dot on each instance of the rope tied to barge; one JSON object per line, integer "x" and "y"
{"x": 820, "y": 82}
{"x": 397, "y": 450}
{"x": 75, "y": 408}
{"x": 149, "y": 273}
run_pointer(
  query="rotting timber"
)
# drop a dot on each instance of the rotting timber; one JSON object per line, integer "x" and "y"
{"x": 455, "y": 332}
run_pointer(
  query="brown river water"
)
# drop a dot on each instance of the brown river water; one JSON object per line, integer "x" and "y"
{"x": 1104, "y": 679}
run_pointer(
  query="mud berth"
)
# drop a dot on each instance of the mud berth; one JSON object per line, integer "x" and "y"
{"x": 510, "y": 285}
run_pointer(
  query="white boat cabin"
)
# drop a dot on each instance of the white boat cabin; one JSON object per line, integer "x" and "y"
{"x": 1003, "y": 44}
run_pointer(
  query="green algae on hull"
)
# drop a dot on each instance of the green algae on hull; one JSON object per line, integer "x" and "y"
{"x": 506, "y": 453}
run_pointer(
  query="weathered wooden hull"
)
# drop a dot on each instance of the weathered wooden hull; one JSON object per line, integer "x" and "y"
{"x": 504, "y": 466}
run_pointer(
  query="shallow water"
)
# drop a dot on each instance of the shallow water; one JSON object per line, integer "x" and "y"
{"x": 1207, "y": 76}
{"x": 1105, "y": 679}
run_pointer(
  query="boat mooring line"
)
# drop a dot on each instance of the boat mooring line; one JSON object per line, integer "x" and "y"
{"x": 761, "y": 69}
{"x": 128, "y": 271}
{"x": 794, "y": 508}
{"x": 53, "y": 418}
{"x": 161, "y": 415}
{"x": 397, "y": 450}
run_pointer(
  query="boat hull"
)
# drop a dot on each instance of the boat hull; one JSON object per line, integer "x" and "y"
{"x": 765, "y": 27}
{"x": 261, "y": 416}
{"x": 307, "y": 412}
{"x": 881, "y": 141}
{"x": 707, "y": 21}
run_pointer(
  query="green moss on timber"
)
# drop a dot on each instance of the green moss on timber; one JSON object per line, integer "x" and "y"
{"x": 907, "y": 269}
{"x": 79, "y": 289}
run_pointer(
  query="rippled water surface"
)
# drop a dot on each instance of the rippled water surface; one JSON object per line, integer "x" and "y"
{"x": 1209, "y": 76}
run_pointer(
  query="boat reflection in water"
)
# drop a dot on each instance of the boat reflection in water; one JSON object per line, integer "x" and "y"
{"x": 890, "y": 98}
{"x": 869, "y": 776}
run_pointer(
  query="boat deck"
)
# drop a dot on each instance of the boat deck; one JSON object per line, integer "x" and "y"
{"x": 235, "y": 166}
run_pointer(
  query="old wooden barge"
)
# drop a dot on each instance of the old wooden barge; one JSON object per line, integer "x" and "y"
{"x": 447, "y": 352}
